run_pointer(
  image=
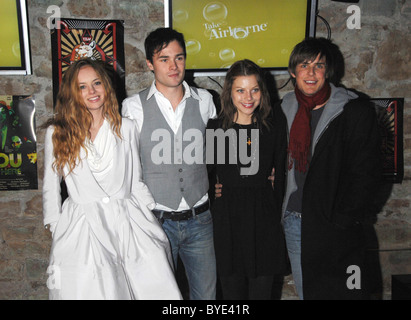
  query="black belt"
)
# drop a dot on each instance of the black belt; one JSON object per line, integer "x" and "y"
{"x": 181, "y": 215}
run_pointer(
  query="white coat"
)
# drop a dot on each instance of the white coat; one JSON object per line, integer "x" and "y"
{"x": 106, "y": 242}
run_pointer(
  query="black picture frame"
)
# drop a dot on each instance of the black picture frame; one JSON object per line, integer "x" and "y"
{"x": 107, "y": 39}
{"x": 390, "y": 113}
{"x": 218, "y": 67}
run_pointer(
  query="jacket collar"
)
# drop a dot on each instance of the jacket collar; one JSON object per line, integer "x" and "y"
{"x": 338, "y": 99}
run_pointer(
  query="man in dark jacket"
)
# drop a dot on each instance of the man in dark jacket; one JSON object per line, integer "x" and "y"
{"x": 334, "y": 168}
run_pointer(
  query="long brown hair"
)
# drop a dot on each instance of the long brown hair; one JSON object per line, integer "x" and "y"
{"x": 228, "y": 110}
{"x": 72, "y": 120}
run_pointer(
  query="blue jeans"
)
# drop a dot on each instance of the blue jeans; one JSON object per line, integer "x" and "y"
{"x": 292, "y": 230}
{"x": 192, "y": 239}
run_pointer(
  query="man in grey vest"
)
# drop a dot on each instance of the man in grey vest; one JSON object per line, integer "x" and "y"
{"x": 171, "y": 117}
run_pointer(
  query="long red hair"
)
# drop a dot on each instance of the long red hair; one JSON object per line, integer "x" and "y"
{"x": 72, "y": 120}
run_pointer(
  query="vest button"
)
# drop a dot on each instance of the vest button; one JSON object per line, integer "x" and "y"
{"x": 181, "y": 179}
{"x": 182, "y": 189}
{"x": 180, "y": 170}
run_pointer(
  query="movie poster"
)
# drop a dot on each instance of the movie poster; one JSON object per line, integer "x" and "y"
{"x": 73, "y": 39}
{"x": 18, "y": 152}
{"x": 390, "y": 120}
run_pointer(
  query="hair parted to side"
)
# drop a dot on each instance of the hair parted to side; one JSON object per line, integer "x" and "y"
{"x": 228, "y": 110}
{"x": 72, "y": 120}
{"x": 307, "y": 50}
{"x": 158, "y": 39}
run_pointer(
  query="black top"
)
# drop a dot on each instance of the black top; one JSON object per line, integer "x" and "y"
{"x": 248, "y": 234}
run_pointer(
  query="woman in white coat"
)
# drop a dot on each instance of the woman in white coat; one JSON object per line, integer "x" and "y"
{"x": 106, "y": 242}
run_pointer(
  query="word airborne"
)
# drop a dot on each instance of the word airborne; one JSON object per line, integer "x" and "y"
{"x": 237, "y": 32}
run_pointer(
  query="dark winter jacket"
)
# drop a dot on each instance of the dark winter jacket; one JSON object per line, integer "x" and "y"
{"x": 342, "y": 179}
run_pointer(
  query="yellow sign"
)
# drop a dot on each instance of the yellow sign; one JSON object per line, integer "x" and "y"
{"x": 218, "y": 33}
{"x": 9, "y": 35}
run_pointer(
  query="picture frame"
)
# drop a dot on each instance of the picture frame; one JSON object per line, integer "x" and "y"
{"x": 390, "y": 122}
{"x": 220, "y": 32}
{"x": 15, "y": 53}
{"x": 74, "y": 39}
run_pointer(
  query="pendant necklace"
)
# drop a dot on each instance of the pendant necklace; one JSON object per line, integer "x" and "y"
{"x": 249, "y": 143}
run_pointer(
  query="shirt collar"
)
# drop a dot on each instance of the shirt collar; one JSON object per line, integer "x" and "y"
{"x": 188, "y": 91}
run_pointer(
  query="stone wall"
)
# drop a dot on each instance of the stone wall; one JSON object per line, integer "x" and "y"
{"x": 377, "y": 63}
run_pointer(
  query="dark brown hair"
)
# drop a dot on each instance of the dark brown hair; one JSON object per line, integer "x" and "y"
{"x": 307, "y": 50}
{"x": 228, "y": 110}
{"x": 158, "y": 39}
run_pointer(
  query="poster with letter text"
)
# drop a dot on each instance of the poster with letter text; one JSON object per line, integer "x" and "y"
{"x": 18, "y": 150}
{"x": 74, "y": 39}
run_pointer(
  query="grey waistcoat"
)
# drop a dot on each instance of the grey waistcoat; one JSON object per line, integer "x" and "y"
{"x": 167, "y": 158}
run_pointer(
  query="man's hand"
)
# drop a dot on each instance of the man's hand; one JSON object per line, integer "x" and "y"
{"x": 218, "y": 190}
{"x": 272, "y": 177}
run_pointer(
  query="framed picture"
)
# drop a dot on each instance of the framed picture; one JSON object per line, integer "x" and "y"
{"x": 390, "y": 120}
{"x": 217, "y": 33}
{"x": 15, "y": 57}
{"x": 74, "y": 39}
{"x": 18, "y": 146}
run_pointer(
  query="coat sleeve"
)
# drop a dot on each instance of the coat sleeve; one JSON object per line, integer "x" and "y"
{"x": 362, "y": 171}
{"x": 280, "y": 152}
{"x": 51, "y": 185}
{"x": 132, "y": 109}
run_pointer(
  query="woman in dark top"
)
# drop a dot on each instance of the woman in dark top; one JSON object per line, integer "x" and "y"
{"x": 248, "y": 235}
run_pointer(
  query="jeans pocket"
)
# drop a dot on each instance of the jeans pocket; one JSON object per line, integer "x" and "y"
{"x": 205, "y": 217}
{"x": 286, "y": 214}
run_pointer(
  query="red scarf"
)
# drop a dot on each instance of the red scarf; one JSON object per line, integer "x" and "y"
{"x": 300, "y": 134}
